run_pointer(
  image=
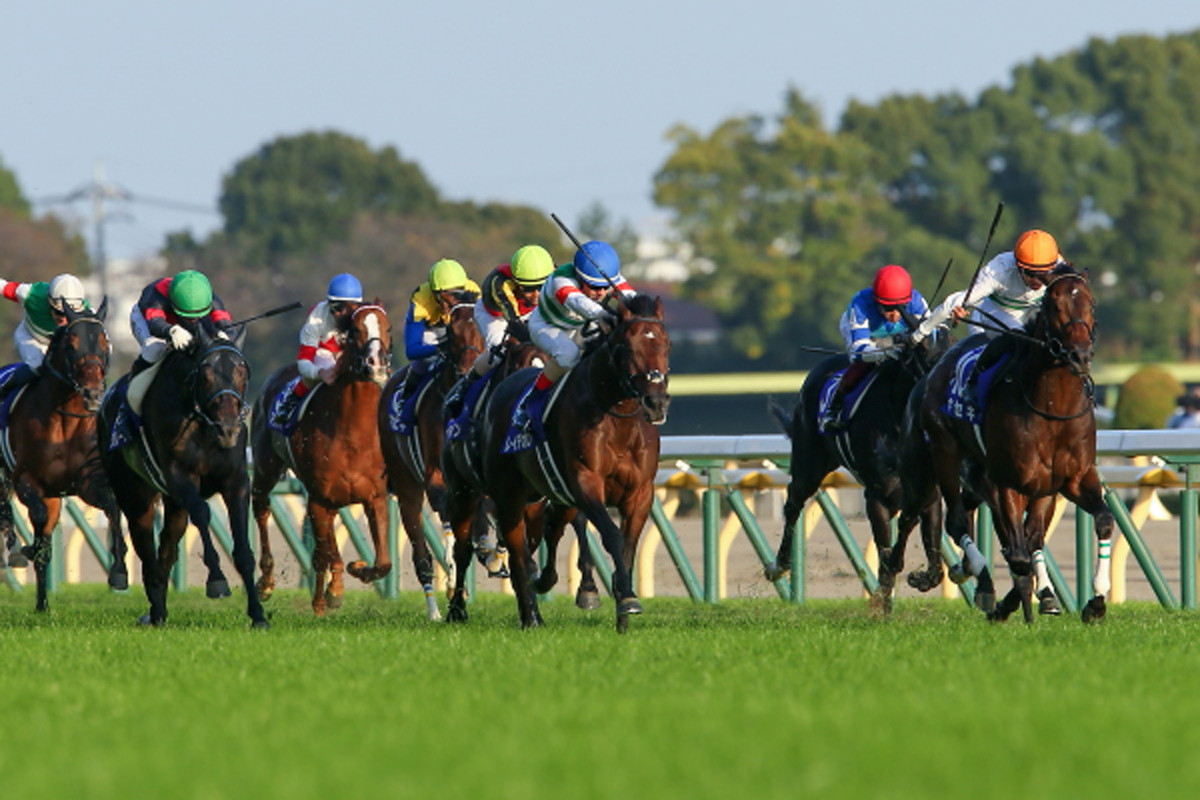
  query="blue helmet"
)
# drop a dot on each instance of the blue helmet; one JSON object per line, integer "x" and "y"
{"x": 344, "y": 287}
{"x": 597, "y": 264}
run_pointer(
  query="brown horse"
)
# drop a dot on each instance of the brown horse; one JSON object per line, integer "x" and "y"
{"x": 191, "y": 445}
{"x": 602, "y": 450}
{"x": 414, "y": 460}
{"x": 51, "y": 447}
{"x": 1036, "y": 439}
{"x": 334, "y": 451}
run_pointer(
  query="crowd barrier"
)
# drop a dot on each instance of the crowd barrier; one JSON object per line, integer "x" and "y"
{"x": 734, "y": 477}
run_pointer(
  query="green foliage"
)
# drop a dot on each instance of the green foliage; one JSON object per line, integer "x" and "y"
{"x": 1146, "y": 399}
{"x": 11, "y": 198}
{"x": 751, "y": 698}
{"x": 1100, "y": 146}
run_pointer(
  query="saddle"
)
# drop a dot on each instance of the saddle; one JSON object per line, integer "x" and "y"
{"x": 402, "y": 405}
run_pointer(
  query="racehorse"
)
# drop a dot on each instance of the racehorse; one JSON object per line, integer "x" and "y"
{"x": 1036, "y": 439}
{"x": 462, "y": 470}
{"x": 191, "y": 445}
{"x": 334, "y": 451}
{"x": 51, "y": 446}
{"x": 868, "y": 445}
{"x": 601, "y": 450}
{"x": 414, "y": 460}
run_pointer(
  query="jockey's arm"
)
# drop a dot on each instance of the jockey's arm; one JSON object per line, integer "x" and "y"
{"x": 420, "y": 340}
{"x": 14, "y": 290}
{"x": 583, "y": 305}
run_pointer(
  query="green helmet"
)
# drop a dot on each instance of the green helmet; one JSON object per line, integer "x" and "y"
{"x": 190, "y": 294}
{"x": 531, "y": 265}
{"x": 447, "y": 274}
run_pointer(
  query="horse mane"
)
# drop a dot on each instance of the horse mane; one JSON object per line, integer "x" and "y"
{"x": 642, "y": 305}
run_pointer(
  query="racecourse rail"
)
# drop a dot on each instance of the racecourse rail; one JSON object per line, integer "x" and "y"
{"x": 727, "y": 472}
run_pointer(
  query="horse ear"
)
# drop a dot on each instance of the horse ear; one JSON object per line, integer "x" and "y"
{"x": 239, "y": 336}
{"x": 658, "y": 307}
{"x": 102, "y": 312}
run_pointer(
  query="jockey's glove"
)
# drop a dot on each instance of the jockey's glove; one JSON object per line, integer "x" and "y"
{"x": 180, "y": 337}
{"x": 875, "y": 356}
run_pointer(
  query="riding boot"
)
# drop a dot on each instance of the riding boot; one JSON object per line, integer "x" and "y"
{"x": 453, "y": 406}
{"x": 528, "y": 413}
{"x": 286, "y": 408}
{"x": 22, "y": 375}
{"x": 139, "y": 365}
{"x": 831, "y": 420}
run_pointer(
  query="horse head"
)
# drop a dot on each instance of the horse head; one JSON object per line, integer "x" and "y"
{"x": 463, "y": 342}
{"x": 640, "y": 349}
{"x": 1066, "y": 323}
{"x": 369, "y": 343}
{"x": 78, "y": 354}
{"x": 217, "y": 386}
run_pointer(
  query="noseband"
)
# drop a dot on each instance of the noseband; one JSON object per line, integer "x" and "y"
{"x": 359, "y": 364}
{"x": 617, "y": 349}
{"x": 200, "y": 406}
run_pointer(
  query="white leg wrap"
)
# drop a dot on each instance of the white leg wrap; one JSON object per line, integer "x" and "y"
{"x": 971, "y": 555}
{"x": 1103, "y": 580}
{"x": 1039, "y": 567}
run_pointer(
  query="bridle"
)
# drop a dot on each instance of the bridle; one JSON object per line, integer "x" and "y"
{"x": 452, "y": 354}
{"x": 199, "y": 406}
{"x": 359, "y": 364}
{"x": 617, "y": 352}
{"x": 1060, "y": 353}
{"x": 67, "y": 373}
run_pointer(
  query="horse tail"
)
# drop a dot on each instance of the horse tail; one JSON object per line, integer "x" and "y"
{"x": 782, "y": 415}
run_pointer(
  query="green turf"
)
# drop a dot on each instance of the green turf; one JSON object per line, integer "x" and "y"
{"x": 746, "y": 699}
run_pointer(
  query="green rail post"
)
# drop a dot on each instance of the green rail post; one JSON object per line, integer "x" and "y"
{"x": 220, "y": 531}
{"x": 89, "y": 534}
{"x": 294, "y": 540}
{"x": 1161, "y": 590}
{"x": 869, "y": 581}
{"x": 56, "y": 575}
{"x": 1061, "y": 589}
{"x": 435, "y": 541}
{"x": 671, "y": 540}
{"x": 392, "y": 579}
{"x": 1084, "y": 555}
{"x": 600, "y": 561}
{"x": 710, "y": 502}
{"x": 754, "y": 534}
{"x": 1187, "y": 537}
{"x": 799, "y": 543}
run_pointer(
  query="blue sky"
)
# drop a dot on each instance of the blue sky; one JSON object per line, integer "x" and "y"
{"x": 527, "y": 102}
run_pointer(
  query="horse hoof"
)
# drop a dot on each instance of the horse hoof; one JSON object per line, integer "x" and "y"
{"x": 985, "y": 602}
{"x": 216, "y": 589}
{"x": 260, "y": 625}
{"x": 118, "y": 581}
{"x": 432, "y": 612}
{"x": 773, "y": 572}
{"x": 630, "y": 605}
{"x": 1095, "y": 610}
{"x": 456, "y": 614}
{"x": 265, "y": 592}
{"x": 958, "y": 574}
{"x": 587, "y": 600}
{"x": 880, "y": 600}
{"x": 17, "y": 559}
{"x": 147, "y": 621}
{"x": 28, "y": 551}
{"x": 333, "y": 601}
{"x": 923, "y": 581}
{"x": 622, "y": 623}
{"x": 1048, "y": 604}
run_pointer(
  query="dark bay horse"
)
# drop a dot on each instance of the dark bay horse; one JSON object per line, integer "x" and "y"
{"x": 602, "y": 451}
{"x": 414, "y": 461}
{"x": 51, "y": 446}
{"x": 1036, "y": 440}
{"x": 462, "y": 468}
{"x": 191, "y": 445}
{"x": 868, "y": 446}
{"x": 334, "y": 451}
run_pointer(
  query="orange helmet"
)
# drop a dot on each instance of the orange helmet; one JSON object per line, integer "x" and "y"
{"x": 1036, "y": 250}
{"x": 892, "y": 286}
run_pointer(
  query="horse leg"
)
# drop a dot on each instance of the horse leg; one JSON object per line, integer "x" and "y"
{"x": 1010, "y": 512}
{"x": 95, "y": 491}
{"x": 510, "y": 519}
{"x": 1037, "y": 519}
{"x": 376, "y": 512}
{"x": 43, "y": 516}
{"x": 7, "y": 526}
{"x": 587, "y": 597}
{"x": 267, "y": 469}
{"x": 325, "y": 558}
{"x": 930, "y": 520}
{"x": 198, "y": 511}
{"x": 554, "y": 523}
{"x": 462, "y": 509}
{"x": 807, "y": 471}
{"x": 410, "y": 498}
{"x": 891, "y": 558}
{"x": 236, "y": 503}
{"x": 1089, "y": 496}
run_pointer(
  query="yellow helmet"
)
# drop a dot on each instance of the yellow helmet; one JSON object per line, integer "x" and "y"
{"x": 447, "y": 274}
{"x": 531, "y": 265}
{"x": 1036, "y": 250}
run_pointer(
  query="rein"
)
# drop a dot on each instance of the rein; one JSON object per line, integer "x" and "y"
{"x": 626, "y": 381}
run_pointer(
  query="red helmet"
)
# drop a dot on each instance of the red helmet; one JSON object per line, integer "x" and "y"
{"x": 892, "y": 286}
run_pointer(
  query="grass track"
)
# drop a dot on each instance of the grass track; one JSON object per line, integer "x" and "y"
{"x": 747, "y": 699}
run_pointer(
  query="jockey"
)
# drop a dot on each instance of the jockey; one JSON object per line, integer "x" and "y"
{"x": 164, "y": 318}
{"x": 509, "y": 295}
{"x": 428, "y": 313}
{"x": 1008, "y": 289}
{"x": 874, "y": 326}
{"x": 570, "y": 297}
{"x": 321, "y": 340}
{"x": 45, "y": 307}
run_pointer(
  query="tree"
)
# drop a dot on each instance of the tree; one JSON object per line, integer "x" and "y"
{"x": 597, "y": 223}
{"x": 301, "y": 193}
{"x": 11, "y": 198}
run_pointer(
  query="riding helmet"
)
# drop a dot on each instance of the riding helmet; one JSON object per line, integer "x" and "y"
{"x": 447, "y": 274}
{"x": 531, "y": 265}
{"x": 892, "y": 286}
{"x": 344, "y": 287}
{"x": 66, "y": 291}
{"x": 190, "y": 294}
{"x": 597, "y": 264}
{"x": 1036, "y": 250}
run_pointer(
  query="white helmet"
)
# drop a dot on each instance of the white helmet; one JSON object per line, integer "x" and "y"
{"x": 66, "y": 290}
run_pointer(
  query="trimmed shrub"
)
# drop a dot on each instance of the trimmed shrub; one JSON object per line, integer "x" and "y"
{"x": 1147, "y": 398}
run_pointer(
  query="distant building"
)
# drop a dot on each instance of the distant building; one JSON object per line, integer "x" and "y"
{"x": 125, "y": 278}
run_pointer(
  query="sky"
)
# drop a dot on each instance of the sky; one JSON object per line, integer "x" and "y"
{"x": 549, "y": 104}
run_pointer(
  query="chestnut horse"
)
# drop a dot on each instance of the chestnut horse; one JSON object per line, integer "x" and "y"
{"x": 602, "y": 450}
{"x": 1036, "y": 440}
{"x": 414, "y": 460}
{"x": 869, "y": 447}
{"x": 462, "y": 469}
{"x": 334, "y": 451}
{"x": 191, "y": 445}
{"x": 51, "y": 445}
